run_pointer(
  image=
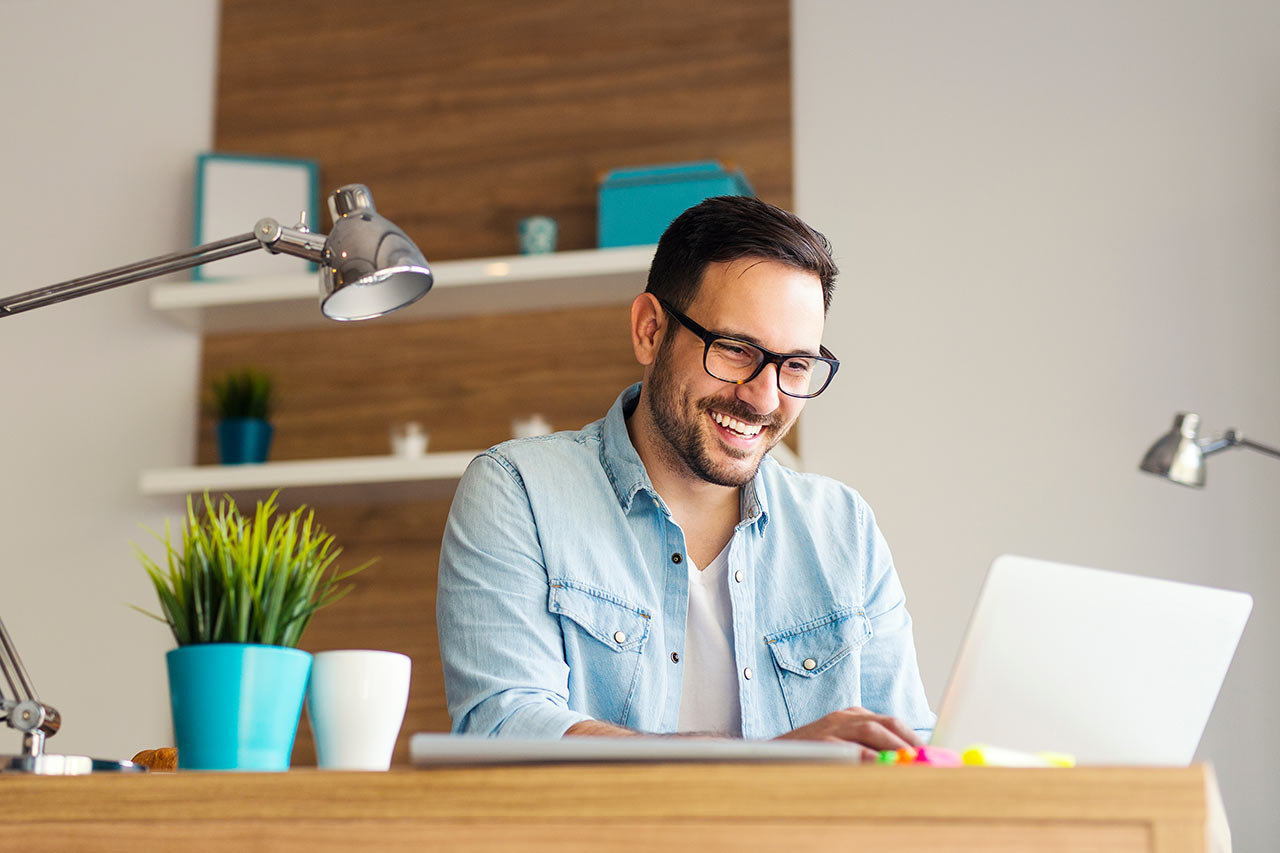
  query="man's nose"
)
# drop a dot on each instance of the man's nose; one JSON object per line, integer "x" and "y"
{"x": 762, "y": 392}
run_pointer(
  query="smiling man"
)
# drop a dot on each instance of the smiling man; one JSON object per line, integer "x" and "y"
{"x": 657, "y": 572}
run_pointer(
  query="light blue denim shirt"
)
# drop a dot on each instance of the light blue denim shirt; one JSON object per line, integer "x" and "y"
{"x": 563, "y": 595}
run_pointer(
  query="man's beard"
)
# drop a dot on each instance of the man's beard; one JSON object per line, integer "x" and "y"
{"x": 684, "y": 435}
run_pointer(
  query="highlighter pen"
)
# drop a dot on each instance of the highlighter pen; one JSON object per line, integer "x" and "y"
{"x": 994, "y": 756}
{"x": 937, "y": 756}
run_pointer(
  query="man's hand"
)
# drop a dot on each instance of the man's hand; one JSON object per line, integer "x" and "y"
{"x": 599, "y": 728}
{"x": 873, "y": 732}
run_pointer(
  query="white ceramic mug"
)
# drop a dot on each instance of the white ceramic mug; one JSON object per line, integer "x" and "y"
{"x": 356, "y": 703}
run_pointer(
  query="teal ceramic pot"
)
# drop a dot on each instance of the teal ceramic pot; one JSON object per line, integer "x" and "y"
{"x": 236, "y": 706}
{"x": 244, "y": 440}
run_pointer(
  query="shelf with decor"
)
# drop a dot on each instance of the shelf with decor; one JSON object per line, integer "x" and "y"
{"x": 477, "y": 286}
{"x": 466, "y": 287}
{"x": 319, "y": 481}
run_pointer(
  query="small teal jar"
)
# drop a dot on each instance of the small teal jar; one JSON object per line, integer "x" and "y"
{"x": 236, "y": 706}
{"x": 244, "y": 440}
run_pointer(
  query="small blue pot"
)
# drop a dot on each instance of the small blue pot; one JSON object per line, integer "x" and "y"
{"x": 244, "y": 440}
{"x": 236, "y": 706}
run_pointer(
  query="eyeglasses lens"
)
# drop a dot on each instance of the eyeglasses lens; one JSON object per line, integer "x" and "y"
{"x": 735, "y": 361}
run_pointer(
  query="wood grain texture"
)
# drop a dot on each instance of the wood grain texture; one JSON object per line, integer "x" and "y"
{"x": 463, "y": 118}
{"x": 745, "y": 835}
{"x": 680, "y": 806}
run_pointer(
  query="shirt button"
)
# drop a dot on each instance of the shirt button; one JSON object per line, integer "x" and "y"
{"x": 619, "y": 637}
{"x": 675, "y": 657}
{"x": 810, "y": 663}
{"x": 738, "y": 575}
{"x": 676, "y": 558}
{"x": 746, "y": 673}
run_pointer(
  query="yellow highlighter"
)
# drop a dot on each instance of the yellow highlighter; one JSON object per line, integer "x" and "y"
{"x": 995, "y": 756}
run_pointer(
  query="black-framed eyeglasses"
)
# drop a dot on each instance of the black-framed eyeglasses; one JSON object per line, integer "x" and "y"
{"x": 736, "y": 361}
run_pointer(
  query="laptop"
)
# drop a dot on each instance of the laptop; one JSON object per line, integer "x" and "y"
{"x": 1110, "y": 668}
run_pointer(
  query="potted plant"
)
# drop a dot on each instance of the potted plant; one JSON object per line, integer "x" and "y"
{"x": 242, "y": 404}
{"x": 237, "y": 592}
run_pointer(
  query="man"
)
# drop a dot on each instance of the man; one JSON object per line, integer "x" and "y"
{"x": 656, "y": 572}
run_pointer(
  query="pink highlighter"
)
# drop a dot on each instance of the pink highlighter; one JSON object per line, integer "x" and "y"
{"x": 937, "y": 757}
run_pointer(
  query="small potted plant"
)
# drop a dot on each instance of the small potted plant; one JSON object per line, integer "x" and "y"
{"x": 242, "y": 404}
{"x": 237, "y": 592}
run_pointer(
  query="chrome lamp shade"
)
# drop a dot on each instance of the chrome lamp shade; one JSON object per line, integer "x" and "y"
{"x": 1179, "y": 454}
{"x": 370, "y": 267}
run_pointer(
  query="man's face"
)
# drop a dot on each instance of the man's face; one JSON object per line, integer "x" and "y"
{"x": 714, "y": 430}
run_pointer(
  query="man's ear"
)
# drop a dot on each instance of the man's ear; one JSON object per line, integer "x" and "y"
{"x": 648, "y": 325}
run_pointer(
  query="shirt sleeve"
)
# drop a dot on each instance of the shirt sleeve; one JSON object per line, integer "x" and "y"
{"x": 891, "y": 681}
{"x": 502, "y": 649}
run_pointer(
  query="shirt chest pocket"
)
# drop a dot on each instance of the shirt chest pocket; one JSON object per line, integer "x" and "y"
{"x": 620, "y": 625}
{"x": 818, "y": 663}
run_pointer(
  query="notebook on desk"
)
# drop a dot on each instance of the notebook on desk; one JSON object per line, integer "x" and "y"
{"x": 430, "y": 749}
{"x": 1111, "y": 668}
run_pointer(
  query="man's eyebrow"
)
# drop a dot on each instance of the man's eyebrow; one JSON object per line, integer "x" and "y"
{"x": 753, "y": 340}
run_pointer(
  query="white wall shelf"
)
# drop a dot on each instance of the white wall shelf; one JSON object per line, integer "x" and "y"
{"x": 319, "y": 481}
{"x": 363, "y": 479}
{"x": 480, "y": 286}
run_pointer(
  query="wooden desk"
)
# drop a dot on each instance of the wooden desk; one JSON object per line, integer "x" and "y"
{"x": 598, "y": 808}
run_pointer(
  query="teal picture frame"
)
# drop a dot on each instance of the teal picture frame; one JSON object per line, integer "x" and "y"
{"x": 233, "y": 191}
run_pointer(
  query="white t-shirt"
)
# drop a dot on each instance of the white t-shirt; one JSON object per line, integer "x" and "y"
{"x": 709, "y": 696}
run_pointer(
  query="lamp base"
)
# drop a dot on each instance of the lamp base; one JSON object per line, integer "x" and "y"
{"x": 65, "y": 765}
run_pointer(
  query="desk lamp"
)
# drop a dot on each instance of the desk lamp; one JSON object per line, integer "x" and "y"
{"x": 368, "y": 267}
{"x": 1179, "y": 454}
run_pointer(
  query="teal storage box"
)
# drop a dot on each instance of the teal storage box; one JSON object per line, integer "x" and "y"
{"x": 636, "y": 205}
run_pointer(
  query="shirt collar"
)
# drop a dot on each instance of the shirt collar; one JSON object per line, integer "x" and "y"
{"x": 754, "y": 504}
{"x": 621, "y": 462}
{"x": 627, "y": 474}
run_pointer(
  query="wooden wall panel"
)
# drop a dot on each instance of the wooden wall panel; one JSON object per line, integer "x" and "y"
{"x": 465, "y": 117}
{"x": 341, "y": 387}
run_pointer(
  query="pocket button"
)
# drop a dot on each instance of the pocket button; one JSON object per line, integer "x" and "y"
{"x": 810, "y": 664}
{"x": 619, "y": 637}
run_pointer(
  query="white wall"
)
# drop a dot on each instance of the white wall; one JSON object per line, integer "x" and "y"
{"x": 1058, "y": 223}
{"x": 104, "y": 107}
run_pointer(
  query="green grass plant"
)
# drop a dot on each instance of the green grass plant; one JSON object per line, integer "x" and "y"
{"x": 244, "y": 393}
{"x": 240, "y": 579}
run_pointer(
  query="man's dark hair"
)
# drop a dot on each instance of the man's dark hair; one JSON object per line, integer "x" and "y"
{"x": 728, "y": 228}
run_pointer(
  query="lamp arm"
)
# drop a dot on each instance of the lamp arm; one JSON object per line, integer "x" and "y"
{"x": 1261, "y": 448}
{"x": 267, "y": 234}
{"x": 24, "y": 711}
{"x": 1233, "y": 438}
{"x": 128, "y": 274}
{"x": 1210, "y": 446}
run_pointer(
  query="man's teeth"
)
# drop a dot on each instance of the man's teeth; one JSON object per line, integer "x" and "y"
{"x": 739, "y": 427}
